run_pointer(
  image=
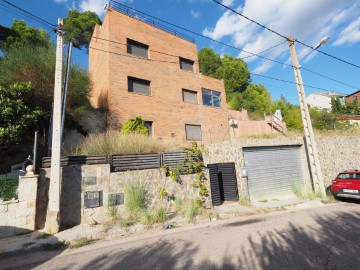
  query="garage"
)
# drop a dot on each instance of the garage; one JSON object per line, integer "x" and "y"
{"x": 273, "y": 171}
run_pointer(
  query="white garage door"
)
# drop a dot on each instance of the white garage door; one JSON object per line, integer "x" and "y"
{"x": 273, "y": 171}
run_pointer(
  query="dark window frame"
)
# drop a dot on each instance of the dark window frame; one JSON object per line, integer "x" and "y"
{"x": 185, "y": 63}
{"x": 184, "y": 90}
{"x": 131, "y": 80}
{"x": 192, "y": 137}
{"x": 133, "y": 44}
{"x": 212, "y": 103}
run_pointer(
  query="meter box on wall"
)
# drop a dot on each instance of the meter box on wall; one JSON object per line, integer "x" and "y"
{"x": 93, "y": 199}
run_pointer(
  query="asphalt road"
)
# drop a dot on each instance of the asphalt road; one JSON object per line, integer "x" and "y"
{"x": 317, "y": 238}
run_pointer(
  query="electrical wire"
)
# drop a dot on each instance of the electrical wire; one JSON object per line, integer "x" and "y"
{"x": 306, "y": 69}
{"x": 177, "y": 63}
{"x": 281, "y": 35}
{"x": 273, "y": 47}
{"x": 29, "y": 14}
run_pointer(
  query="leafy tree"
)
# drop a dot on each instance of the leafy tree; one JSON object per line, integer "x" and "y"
{"x": 135, "y": 126}
{"x": 79, "y": 27}
{"x": 22, "y": 35}
{"x": 336, "y": 107}
{"x": 292, "y": 118}
{"x": 235, "y": 74}
{"x": 291, "y": 113}
{"x": 255, "y": 99}
{"x": 209, "y": 61}
{"x": 232, "y": 70}
{"x": 16, "y": 117}
{"x": 37, "y": 64}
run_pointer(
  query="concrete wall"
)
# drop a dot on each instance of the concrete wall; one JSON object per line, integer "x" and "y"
{"x": 80, "y": 179}
{"x": 18, "y": 216}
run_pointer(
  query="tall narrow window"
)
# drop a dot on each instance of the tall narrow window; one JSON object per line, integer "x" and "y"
{"x": 193, "y": 132}
{"x": 189, "y": 96}
{"x": 137, "y": 48}
{"x": 211, "y": 98}
{"x": 148, "y": 125}
{"x": 139, "y": 86}
{"x": 186, "y": 64}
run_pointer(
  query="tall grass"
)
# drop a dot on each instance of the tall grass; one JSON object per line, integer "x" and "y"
{"x": 135, "y": 192}
{"x": 112, "y": 142}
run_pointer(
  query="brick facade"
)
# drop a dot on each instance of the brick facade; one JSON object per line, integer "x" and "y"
{"x": 110, "y": 66}
{"x": 354, "y": 96}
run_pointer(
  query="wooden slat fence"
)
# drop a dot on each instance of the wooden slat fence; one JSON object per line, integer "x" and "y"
{"x": 135, "y": 162}
{"x": 76, "y": 160}
{"x": 125, "y": 162}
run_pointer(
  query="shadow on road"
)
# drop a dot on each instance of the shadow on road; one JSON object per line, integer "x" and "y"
{"x": 26, "y": 244}
{"x": 328, "y": 243}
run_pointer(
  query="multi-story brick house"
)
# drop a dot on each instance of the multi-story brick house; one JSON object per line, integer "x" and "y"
{"x": 353, "y": 97}
{"x": 141, "y": 70}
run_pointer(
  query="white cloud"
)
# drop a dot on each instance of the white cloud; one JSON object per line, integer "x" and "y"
{"x": 195, "y": 14}
{"x": 227, "y": 2}
{"x": 96, "y": 6}
{"x": 351, "y": 34}
{"x": 308, "y": 21}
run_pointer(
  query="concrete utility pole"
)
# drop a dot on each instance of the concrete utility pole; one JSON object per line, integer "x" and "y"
{"x": 53, "y": 214}
{"x": 311, "y": 148}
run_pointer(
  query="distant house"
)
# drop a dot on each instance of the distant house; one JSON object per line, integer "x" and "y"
{"x": 352, "y": 97}
{"x": 322, "y": 101}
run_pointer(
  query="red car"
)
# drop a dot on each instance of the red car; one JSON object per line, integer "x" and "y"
{"x": 347, "y": 184}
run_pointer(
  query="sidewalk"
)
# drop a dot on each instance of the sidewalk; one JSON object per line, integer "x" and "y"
{"x": 37, "y": 241}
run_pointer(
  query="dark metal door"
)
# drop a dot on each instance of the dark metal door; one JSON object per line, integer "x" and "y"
{"x": 226, "y": 172}
{"x": 223, "y": 183}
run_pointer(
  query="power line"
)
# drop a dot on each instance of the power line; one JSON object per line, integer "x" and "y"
{"x": 30, "y": 14}
{"x": 253, "y": 54}
{"x": 281, "y": 35}
{"x": 162, "y": 61}
{"x": 200, "y": 35}
{"x": 273, "y": 47}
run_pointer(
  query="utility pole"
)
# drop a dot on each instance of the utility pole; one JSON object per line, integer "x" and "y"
{"x": 53, "y": 214}
{"x": 310, "y": 142}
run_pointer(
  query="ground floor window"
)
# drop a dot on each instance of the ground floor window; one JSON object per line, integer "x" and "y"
{"x": 193, "y": 132}
{"x": 148, "y": 125}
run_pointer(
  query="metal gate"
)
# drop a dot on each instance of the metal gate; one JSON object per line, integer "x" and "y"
{"x": 273, "y": 171}
{"x": 223, "y": 182}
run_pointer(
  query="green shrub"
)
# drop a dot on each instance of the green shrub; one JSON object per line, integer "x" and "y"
{"x": 82, "y": 242}
{"x": 157, "y": 215}
{"x": 135, "y": 193}
{"x": 178, "y": 203}
{"x": 136, "y": 126}
{"x": 8, "y": 188}
{"x": 191, "y": 210}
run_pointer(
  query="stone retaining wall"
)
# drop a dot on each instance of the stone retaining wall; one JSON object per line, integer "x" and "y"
{"x": 338, "y": 154}
{"x": 77, "y": 180}
{"x": 18, "y": 216}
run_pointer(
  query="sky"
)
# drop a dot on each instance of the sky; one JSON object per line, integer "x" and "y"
{"x": 308, "y": 21}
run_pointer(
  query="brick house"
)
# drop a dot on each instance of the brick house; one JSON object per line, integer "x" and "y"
{"x": 354, "y": 96}
{"x": 145, "y": 69}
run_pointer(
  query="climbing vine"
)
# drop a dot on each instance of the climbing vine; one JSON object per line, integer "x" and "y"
{"x": 193, "y": 164}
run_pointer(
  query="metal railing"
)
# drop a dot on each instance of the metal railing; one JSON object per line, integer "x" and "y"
{"x": 147, "y": 19}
